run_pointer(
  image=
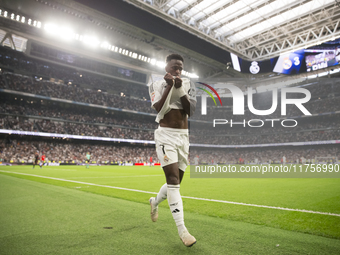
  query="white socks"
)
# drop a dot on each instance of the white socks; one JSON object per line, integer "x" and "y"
{"x": 162, "y": 194}
{"x": 176, "y": 206}
{"x": 171, "y": 192}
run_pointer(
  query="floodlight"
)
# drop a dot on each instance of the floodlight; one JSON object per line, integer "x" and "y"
{"x": 23, "y": 19}
{"x": 153, "y": 61}
{"x": 105, "y": 45}
{"x": 160, "y": 64}
{"x": 91, "y": 41}
{"x": 66, "y": 33}
{"x": 52, "y": 29}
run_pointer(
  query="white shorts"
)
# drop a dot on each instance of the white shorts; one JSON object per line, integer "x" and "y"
{"x": 172, "y": 146}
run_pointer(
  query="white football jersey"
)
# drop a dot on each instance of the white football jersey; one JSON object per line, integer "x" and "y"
{"x": 156, "y": 90}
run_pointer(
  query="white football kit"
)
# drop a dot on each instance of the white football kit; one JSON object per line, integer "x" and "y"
{"x": 172, "y": 144}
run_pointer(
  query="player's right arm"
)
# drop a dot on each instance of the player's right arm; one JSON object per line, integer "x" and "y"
{"x": 155, "y": 90}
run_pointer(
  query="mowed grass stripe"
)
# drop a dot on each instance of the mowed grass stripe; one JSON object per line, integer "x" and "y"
{"x": 194, "y": 198}
{"x": 311, "y": 194}
{"x": 39, "y": 218}
{"x": 78, "y": 182}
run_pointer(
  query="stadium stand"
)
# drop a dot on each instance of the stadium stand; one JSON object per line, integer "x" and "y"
{"x": 72, "y": 152}
{"x": 38, "y": 96}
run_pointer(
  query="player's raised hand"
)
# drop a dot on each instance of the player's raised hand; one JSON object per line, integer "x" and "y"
{"x": 169, "y": 79}
{"x": 178, "y": 82}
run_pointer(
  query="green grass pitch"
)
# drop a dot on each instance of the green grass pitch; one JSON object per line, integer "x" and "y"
{"x": 74, "y": 210}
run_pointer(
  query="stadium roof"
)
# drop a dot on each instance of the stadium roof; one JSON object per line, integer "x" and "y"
{"x": 204, "y": 31}
{"x": 253, "y": 30}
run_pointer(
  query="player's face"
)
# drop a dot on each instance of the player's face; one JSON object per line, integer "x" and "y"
{"x": 174, "y": 67}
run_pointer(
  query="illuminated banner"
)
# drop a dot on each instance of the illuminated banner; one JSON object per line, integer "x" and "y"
{"x": 80, "y": 137}
{"x": 318, "y": 58}
{"x": 305, "y": 60}
{"x": 290, "y": 63}
{"x": 29, "y": 133}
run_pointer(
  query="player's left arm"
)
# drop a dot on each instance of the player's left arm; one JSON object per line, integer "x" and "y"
{"x": 189, "y": 99}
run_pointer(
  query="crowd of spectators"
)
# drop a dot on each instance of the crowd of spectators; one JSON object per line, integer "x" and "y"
{"x": 265, "y": 155}
{"x": 74, "y": 115}
{"x": 19, "y": 151}
{"x": 28, "y": 117}
{"x": 16, "y": 124}
{"x": 315, "y": 129}
{"x": 51, "y": 80}
{"x": 21, "y": 63}
{"x": 322, "y": 135}
{"x": 321, "y": 104}
{"x": 82, "y": 62}
{"x": 72, "y": 92}
{"x": 38, "y": 125}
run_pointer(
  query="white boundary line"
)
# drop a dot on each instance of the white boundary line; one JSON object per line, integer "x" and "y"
{"x": 194, "y": 198}
{"x": 114, "y": 177}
